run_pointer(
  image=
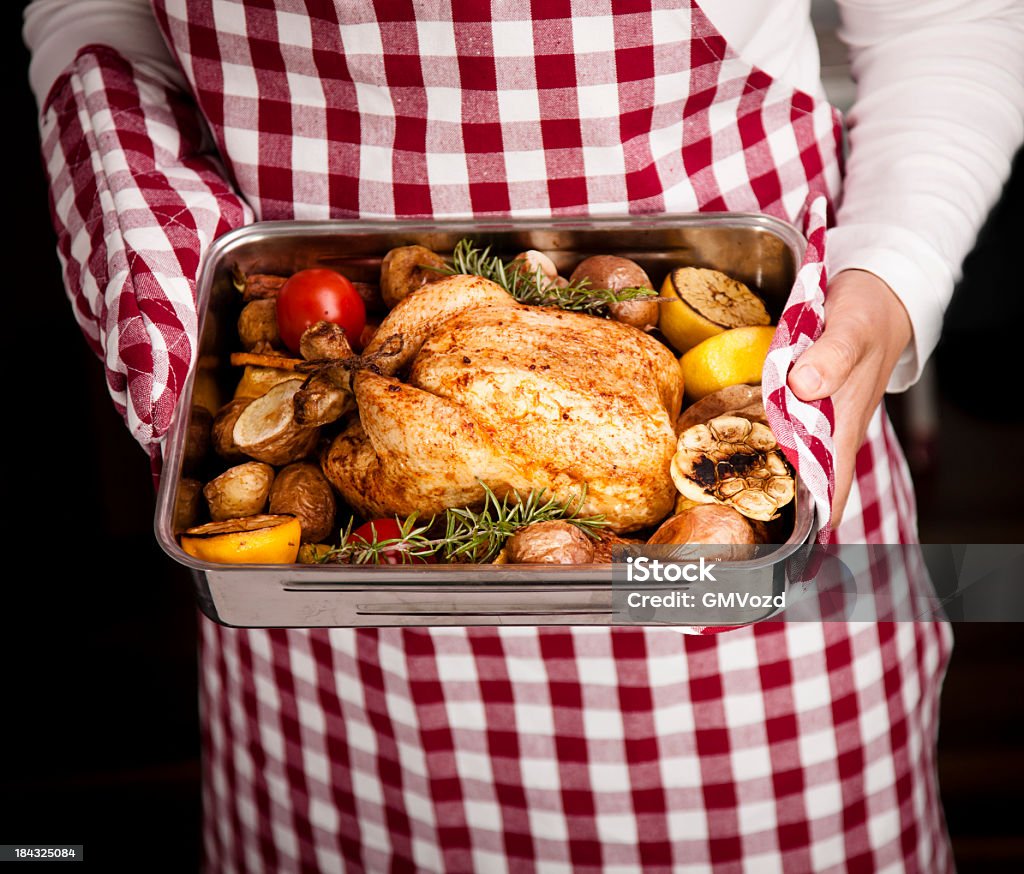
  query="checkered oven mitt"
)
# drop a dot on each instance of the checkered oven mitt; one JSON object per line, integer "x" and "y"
{"x": 804, "y": 430}
{"x": 136, "y": 198}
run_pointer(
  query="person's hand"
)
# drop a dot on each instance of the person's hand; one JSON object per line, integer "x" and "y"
{"x": 866, "y": 330}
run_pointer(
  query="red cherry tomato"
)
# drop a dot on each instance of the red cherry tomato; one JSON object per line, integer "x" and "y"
{"x": 310, "y": 296}
{"x": 389, "y": 529}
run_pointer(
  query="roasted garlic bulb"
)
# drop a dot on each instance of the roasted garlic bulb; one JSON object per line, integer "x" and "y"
{"x": 735, "y": 462}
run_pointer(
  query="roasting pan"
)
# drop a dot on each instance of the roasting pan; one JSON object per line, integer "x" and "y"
{"x": 759, "y": 250}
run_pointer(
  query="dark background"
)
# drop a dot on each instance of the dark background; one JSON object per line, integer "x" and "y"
{"x": 100, "y": 724}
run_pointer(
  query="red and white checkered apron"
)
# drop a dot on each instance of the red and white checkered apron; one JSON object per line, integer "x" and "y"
{"x": 779, "y": 747}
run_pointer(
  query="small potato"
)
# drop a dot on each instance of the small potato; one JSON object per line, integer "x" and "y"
{"x": 406, "y": 269}
{"x": 257, "y": 325}
{"x": 641, "y": 313}
{"x": 186, "y": 507}
{"x": 553, "y": 542}
{"x": 734, "y": 400}
{"x": 197, "y": 439}
{"x": 239, "y": 491}
{"x": 714, "y": 532}
{"x": 301, "y": 490}
{"x": 615, "y": 274}
{"x": 223, "y": 426}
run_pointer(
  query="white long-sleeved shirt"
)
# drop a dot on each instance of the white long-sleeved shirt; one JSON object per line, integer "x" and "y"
{"x": 938, "y": 117}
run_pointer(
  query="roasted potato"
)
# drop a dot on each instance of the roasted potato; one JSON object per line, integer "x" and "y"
{"x": 312, "y": 553}
{"x": 615, "y": 274}
{"x": 713, "y": 532}
{"x": 239, "y": 491}
{"x": 301, "y": 490}
{"x": 554, "y": 542}
{"x": 734, "y": 400}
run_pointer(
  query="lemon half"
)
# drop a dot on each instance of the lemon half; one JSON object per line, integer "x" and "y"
{"x": 733, "y": 357}
{"x": 702, "y": 303}
{"x": 250, "y": 540}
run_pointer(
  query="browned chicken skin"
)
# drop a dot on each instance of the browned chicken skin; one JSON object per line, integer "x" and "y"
{"x": 484, "y": 389}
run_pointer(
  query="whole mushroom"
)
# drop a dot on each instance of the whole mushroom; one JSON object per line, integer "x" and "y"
{"x": 257, "y": 324}
{"x": 406, "y": 269}
{"x": 532, "y": 260}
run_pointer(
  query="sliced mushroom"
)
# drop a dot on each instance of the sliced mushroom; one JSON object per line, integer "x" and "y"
{"x": 406, "y": 269}
{"x": 239, "y": 491}
{"x": 735, "y": 462}
{"x": 301, "y": 490}
{"x": 267, "y": 431}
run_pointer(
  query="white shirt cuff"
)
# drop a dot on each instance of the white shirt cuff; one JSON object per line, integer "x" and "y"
{"x": 910, "y": 267}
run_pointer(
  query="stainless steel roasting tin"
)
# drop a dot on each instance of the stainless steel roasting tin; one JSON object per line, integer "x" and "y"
{"x": 759, "y": 250}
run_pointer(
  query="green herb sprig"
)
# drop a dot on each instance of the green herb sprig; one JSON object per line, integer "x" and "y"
{"x": 469, "y": 536}
{"x": 535, "y": 288}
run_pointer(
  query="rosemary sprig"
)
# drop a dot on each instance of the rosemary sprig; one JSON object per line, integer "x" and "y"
{"x": 412, "y": 540}
{"x": 467, "y": 536}
{"x": 534, "y": 288}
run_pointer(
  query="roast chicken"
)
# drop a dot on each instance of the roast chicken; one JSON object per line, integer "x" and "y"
{"x": 473, "y": 387}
